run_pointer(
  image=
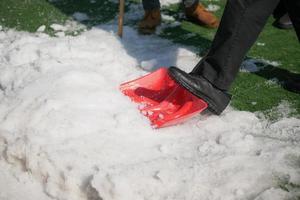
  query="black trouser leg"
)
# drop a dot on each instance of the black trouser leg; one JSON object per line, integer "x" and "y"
{"x": 151, "y": 4}
{"x": 240, "y": 26}
{"x": 293, "y": 8}
{"x": 280, "y": 10}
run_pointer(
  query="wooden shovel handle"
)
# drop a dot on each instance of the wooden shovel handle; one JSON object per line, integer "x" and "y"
{"x": 121, "y": 17}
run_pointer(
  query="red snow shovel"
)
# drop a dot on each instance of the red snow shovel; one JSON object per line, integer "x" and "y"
{"x": 162, "y": 100}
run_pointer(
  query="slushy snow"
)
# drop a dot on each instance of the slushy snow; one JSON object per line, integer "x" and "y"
{"x": 67, "y": 132}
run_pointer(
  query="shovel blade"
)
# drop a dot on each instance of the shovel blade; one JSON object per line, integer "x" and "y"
{"x": 163, "y": 101}
{"x": 150, "y": 89}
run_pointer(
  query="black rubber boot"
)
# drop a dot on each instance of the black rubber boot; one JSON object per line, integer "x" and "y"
{"x": 216, "y": 99}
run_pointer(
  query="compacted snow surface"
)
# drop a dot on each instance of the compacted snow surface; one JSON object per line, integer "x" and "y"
{"x": 67, "y": 133}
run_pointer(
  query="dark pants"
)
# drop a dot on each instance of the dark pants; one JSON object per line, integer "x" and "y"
{"x": 240, "y": 26}
{"x": 280, "y": 10}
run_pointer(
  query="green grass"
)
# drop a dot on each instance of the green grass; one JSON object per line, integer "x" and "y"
{"x": 98, "y": 11}
{"x": 251, "y": 91}
{"x": 28, "y": 15}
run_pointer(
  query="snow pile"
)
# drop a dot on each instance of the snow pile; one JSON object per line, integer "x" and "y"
{"x": 68, "y": 133}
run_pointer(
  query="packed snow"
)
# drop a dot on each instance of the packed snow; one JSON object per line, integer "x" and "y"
{"x": 67, "y": 132}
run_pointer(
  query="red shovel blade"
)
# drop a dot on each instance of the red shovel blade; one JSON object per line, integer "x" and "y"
{"x": 150, "y": 89}
{"x": 164, "y": 102}
{"x": 178, "y": 107}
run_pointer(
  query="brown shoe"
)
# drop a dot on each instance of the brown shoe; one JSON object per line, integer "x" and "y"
{"x": 198, "y": 14}
{"x": 151, "y": 20}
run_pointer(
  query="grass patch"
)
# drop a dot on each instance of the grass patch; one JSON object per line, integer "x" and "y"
{"x": 29, "y": 15}
{"x": 97, "y": 11}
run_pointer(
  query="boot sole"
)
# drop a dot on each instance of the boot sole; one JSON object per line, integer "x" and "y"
{"x": 213, "y": 107}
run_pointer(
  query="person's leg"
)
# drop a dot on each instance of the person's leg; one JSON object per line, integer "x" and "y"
{"x": 293, "y": 8}
{"x": 282, "y": 19}
{"x": 240, "y": 26}
{"x": 189, "y": 3}
{"x": 151, "y": 4}
{"x": 152, "y": 17}
{"x": 280, "y": 10}
{"x": 195, "y": 11}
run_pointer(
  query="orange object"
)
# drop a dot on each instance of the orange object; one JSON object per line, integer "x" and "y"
{"x": 162, "y": 100}
{"x": 198, "y": 14}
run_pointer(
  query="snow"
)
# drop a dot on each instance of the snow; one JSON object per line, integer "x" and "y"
{"x": 70, "y": 26}
{"x": 41, "y": 28}
{"x": 273, "y": 82}
{"x": 80, "y": 16}
{"x": 260, "y": 44}
{"x": 255, "y": 65}
{"x": 16, "y": 185}
{"x": 168, "y": 18}
{"x": 213, "y": 7}
{"x": 67, "y": 132}
{"x": 168, "y": 2}
{"x": 60, "y": 34}
{"x": 58, "y": 27}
